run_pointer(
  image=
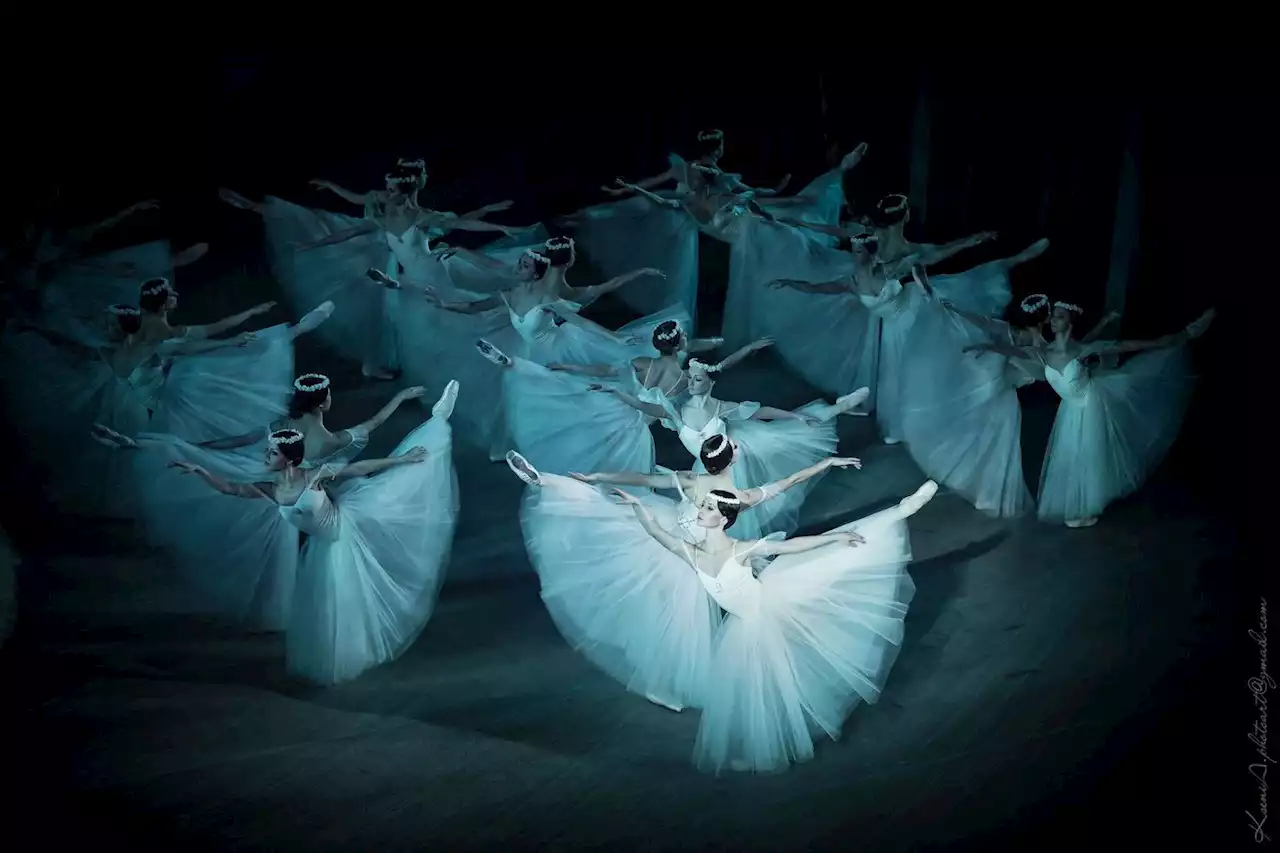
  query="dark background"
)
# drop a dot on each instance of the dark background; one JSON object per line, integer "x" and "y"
{"x": 1022, "y": 153}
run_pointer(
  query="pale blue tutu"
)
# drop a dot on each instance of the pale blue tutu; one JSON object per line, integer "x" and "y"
{"x": 1112, "y": 429}
{"x": 822, "y": 636}
{"x": 627, "y": 604}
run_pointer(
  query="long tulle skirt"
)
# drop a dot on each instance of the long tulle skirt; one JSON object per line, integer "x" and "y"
{"x": 827, "y": 632}
{"x": 627, "y": 604}
{"x": 363, "y": 597}
{"x": 1110, "y": 436}
{"x": 960, "y": 415}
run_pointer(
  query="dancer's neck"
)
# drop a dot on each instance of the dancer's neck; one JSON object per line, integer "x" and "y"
{"x": 717, "y": 540}
{"x": 312, "y": 420}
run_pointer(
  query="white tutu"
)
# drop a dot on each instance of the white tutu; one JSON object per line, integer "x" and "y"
{"x": 815, "y": 635}
{"x": 961, "y": 419}
{"x": 374, "y": 561}
{"x": 627, "y": 604}
{"x": 1113, "y": 427}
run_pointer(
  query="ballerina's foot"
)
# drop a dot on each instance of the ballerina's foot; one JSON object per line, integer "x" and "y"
{"x": 381, "y": 278}
{"x": 382, "y": 374}
{"x": 1077, "y": 523}
{"x": 313, "y": 318}
{"x": 852, "y": 401}
{"x": 909, "y": 506}
{"x": 444, "y": 406}
{"x": 669, "y": 705}
{"x": 522, "y": 469}
{"x": 236, "y": 200}
{"x": 492, "y": 353}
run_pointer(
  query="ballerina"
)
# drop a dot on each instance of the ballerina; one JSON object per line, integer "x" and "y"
{"x": 768, "y": 443}
{"x": 366, "y": 581}
{"x": 802, "y": 643}
{"x": 1113, "y": 427}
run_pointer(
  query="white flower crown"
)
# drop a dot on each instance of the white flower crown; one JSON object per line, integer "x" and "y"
{"x": 893, "y": 203}
{"x": 669, "y": 335}
{"x": 725, "y": 501}
{"x": 124, "y": 311}
{"x": 724, "y": 445}
{"x": 702, "y": 366}
{"x": 561, "y": 243}
{"x": 1034, "y": 302}
{"x": 710, "y": 135}
{"x": 311, "y": 382}
{"x": 1067, "y": 306}
{"x": 542, "y": 258}
{"x": 285, "y": 436}
{"x": 156, "y": 285}
{"x": 863, "y": 239}
{"x": 411, "y": 164}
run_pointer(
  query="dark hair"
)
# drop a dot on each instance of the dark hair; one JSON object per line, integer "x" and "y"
{"x": 560, "y": 251}
{"x": 293, "y": 451}
{"x": 890, "y": 210}
{"x": 541, "y": 263}
{"x": 308, "y": 396}
{"x": 154, "y": 295}
{"x": 728, "y": 504}
{"x": 707, "y": 143}
{"x": 128, "y": 318}
{"x": 716, "y": 453}
{"x": 666, "y": 337}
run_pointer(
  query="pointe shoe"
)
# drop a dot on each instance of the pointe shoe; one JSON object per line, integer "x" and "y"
{"x": 492, "y": 353}
{"x": 522, "y": 469}
{"x": 313, "y": 318}
{"x": 912, "y": 504}
{"x": 670, "y": 706}
{"x": 382, "y": 278}
{"x": 852, "y": 400}
{"x": 444, "y": 406}
{"x": 1077, "y": 523}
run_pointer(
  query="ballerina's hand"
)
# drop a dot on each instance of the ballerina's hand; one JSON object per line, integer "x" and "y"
{"x": 624, "y": 497}
{"x": 149, "y": 204}
{"x": 245, "y": 338}
{"x": 779, "y": 283}
{"x": 1200, "y": 325}
{"x": 602, "y": 389}
{"x": 582, "y": 478}
{"x": 782, "y": 184}
{"x": 988, "y": 236}
{"x": 763, "y": 343}
{"x": 853, "y": 540}
{"x": 186, "y": 467}
{"x": 498, "y": 207}
{"x": 652, "y": 271}
{"x": 264, "y": 308}
{"x": 844, "y": 462}
{"x": 319, "y": 183}
{"x": 412, "y": 393}
{"x": 810, "y": 420}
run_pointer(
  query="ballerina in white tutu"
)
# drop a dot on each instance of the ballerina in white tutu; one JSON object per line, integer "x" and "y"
{"x": 366, "y": 581}
{"x": 813, "y": 634}
{"x": 767, "y": 443}
{"x": 1113, "y": 426}
{"x": 717, "y": 456}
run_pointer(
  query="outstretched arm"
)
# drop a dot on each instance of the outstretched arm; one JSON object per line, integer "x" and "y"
{"x": 482, "y": 212}
{"x": 88, "y": 232}
{"x": 736, "y": 357}
{"x": 769, "y": 413}
{"x": 624, "y": 188}
{"x": 1006, "y": 349}
{"x": 340, "y": 236}
{"x": 203, "y": 345}
{"x": 800, "y": 544}
{"x": 653, "y": 411}
{"x": 234, "y": 442}
{"x": 479, "y": 306}
{"x": 390, "y": 408}
{"x": 631, "y": 478}
{"x": 1193, "y": 330}
{"x": 377, "y": 466}
{"x": 928, "y": 254}
{"x": 345, "y": 195}
{"x": 212, "y": 330}
{"x": 651, "y": 526}
{"x": 1103, "y": 324}
{"x": 585, "y": 295}
{"x": 236, "y": 490}
{"x": 837, "y": 286}
{"x": 751, "y": 497}
{"x": 452, "y": 222}
{"x": 597, "y": 371}
{"x": 653, "y": 197}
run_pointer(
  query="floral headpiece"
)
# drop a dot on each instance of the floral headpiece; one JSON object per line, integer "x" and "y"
{"x": 124, "y": 311}
{"x": 696, "y": 366}
{"x": 671, "y": 334}
{"x": 710, "y": 135}
{"x": 720, "y": 447}
{"x": 1067, "y": 306}
{"x": 863, "y": 239}
{"x": 892, "y": 203}
{"x": 724, "y": 500}
{"x": 560, "y": 243}
{"x": 152, "y": 286}
{"x": 541, "y": 258}
{"x": 311, "y": 382}
{"x": 1034, "y": 303}
{"x": 285, "y": 436}
{"x": 420, "y": 165}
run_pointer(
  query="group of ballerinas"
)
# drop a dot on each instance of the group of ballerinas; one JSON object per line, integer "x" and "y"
{"x": 692, "y": 599}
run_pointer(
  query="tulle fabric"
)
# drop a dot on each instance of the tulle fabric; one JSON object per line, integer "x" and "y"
{"x": 831, "y": 340}
{"x": 360, "y": 326}
{"x": 961, "y": 418}
{"x": 237, "y": 555}
{"x": 622, "y": 236}
{"x": 1112, "y": 429}
{"x": 367, "y": 588}
{"x": 821, "y": 636}
{"x": 627, "y": 604}
{"x": 75, "y": 299}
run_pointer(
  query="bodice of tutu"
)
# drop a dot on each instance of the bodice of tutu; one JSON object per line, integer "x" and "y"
{"x": 1071, "y": 383}
{"x": 535, "y": 326}
{"x": 412, "y": 249}
{"x": 893, "y": 300}
{"x": 313, "y": 513}
{"x": 736, "y": 588}
{"x": 692, "y": 439}
{"x": 687, "y": 515}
